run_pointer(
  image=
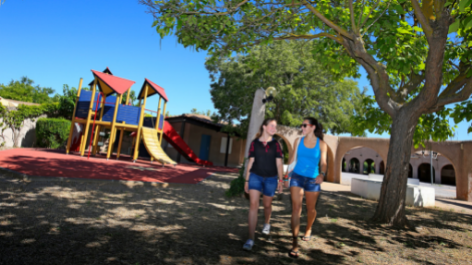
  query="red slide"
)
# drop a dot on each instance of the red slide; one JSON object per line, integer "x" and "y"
{"x": 173, "y": 138}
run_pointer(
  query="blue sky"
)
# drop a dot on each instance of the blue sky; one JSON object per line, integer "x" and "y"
{"x": 58, "y": 42}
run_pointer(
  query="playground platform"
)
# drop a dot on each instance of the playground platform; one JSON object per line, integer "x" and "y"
{"x": 55, "y": 163}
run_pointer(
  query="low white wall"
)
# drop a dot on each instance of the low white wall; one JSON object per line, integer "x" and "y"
{"x": 346, "y": 178}
{"x": 380, "y": 177}
{"x": 417, "y": 196}
{"x": 27, "y": 136}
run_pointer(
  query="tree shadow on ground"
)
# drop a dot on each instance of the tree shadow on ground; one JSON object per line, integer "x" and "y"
{"x": 83, "y": 222}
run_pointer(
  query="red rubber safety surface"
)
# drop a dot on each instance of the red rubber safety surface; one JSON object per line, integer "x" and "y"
{"x": 55, "y": 163}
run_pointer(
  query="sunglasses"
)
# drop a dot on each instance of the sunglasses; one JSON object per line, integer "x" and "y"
{"x": 305, "y": 125}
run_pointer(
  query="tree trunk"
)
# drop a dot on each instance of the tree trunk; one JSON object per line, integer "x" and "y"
{"x": 391, "y": 206}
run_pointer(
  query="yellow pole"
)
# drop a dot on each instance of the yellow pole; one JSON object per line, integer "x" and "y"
{"x": 140, "y": 125}
{"x": 158, "y": 113}
{"x": 157, "y": 119}
{"x": 97, "y": 135}
{"x": 112, "y": 129}
{"x": 164, "y": 117}
{"x": 120, "y": 141}
{"x": 89, "y": 117}
{"x": 72, "y": 124}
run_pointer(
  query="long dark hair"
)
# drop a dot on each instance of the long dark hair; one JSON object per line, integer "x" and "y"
{"x": 319, "y": 127}
{"x": 264, "y": 123}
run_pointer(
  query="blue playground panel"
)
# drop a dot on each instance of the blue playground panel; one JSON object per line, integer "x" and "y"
{"x": 128, "y": 114}
{"x": 84, "y": 103}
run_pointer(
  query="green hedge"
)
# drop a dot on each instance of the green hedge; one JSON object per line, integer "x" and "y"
{"x": 236, "y": 186}
{"x": 51, "y": 132}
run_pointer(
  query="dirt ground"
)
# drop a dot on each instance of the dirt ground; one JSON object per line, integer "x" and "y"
{"x": 52, "y": 221}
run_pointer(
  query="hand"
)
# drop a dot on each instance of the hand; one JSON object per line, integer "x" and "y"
{"x": 287, "y": 184}
{"x": 319, "y": 179}
{"x": 246, "y": 187}
{"x": 280, "y": 187}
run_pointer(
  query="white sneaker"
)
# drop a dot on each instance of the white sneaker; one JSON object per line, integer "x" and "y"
{"x": 248, "y": 245}
{"x": 266, "y": 229}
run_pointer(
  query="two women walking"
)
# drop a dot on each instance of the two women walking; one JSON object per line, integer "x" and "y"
{"x": 264, "y": 174}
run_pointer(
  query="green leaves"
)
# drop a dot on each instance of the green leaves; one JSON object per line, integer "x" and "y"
{"x": 454, "y": 26}
{"x": 433, "y": 126}
{"x": 24, "y": 90}
{"x": 304, "y": 87}
{"x": 463, "y": 4}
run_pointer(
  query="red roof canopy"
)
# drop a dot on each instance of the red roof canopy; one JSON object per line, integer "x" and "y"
{"x": 110, "y": 83}
{"x": 157, "y": 89}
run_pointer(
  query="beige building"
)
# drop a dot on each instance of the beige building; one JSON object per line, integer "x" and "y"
{"x": 363, "y": 160}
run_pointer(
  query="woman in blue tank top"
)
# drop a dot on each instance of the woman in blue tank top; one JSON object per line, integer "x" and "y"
{"x": 306, "y": 177}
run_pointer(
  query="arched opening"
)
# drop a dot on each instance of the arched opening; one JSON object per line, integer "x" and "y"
{"x": 285, "y": 145}
{"x": 448, "y": 175}
{"x": 410, "y": 171}
{"x": 343, "y": 165}
{"x": 424, "y": 173}
{"x": 369, "y": 167}
{"x": 382, "y": 168}
{"x": 354, "y": 166}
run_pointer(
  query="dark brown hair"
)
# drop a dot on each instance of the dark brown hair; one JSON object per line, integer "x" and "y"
{"x": 264, "y": 123}
{"x": 319, "y": 127}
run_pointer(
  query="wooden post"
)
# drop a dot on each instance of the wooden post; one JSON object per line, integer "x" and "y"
{"x": 112, "y": 129}
{"x": 164, "y": 119}
{"x": 97, "y": 134}
{"x": 89, "y": 117}
{"x": 140, "y": 125}
{"x": 158, "y": 117}
{"x": 122, "y": 131}
{"x": 72, "y": 124}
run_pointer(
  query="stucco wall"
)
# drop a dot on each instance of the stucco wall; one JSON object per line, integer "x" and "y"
{"x": 459, "y": 154}
{"x": 27, "y": 136}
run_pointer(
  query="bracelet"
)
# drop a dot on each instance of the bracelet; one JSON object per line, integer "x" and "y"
{"x": 281, "y": 180}
{"x": 286, "y": 179}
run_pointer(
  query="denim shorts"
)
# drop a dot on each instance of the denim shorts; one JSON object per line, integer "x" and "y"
{"x": 266, "y": 185}
{"x": 306, "y": 183}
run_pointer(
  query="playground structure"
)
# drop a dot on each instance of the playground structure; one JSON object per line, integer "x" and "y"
{"x": 103, "y": 109}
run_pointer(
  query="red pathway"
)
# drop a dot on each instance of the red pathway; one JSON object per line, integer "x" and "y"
{"x": 54, "y": 163}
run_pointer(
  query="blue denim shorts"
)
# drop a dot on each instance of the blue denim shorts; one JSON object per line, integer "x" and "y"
{"x": 306, "y": 183}
{"x": 266, "y": 185}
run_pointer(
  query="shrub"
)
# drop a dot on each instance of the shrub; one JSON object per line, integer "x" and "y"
{"x": 236, "y": 186}
{"x": 52, "y": 133}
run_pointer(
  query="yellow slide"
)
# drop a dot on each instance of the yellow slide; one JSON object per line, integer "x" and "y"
{"x": 153, "y": 147}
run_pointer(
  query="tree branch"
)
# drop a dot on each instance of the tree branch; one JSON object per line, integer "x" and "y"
{"x": 353, "y": 22}
{"x": 359, "y": 21}
{"x": 428, "y": 30}
{"x": 378, "y": 76}
{"x": 370, "y": 13}
{"x": 291, "y": 36}
{"x": 230, "y": 10}
{"x": 464, "y": 94}
{"x": 412, "y": 84}
{"x": 328, "y": 22}
{"x": 366, "y": 30}
{"x": 427, "y": 8}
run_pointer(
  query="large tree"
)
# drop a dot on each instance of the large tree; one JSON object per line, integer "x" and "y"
{"x": 303, "y": 87}
{"x": 417, "y": 55}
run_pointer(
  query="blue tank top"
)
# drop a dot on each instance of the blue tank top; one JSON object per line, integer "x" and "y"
{"x": 308, "y": 160}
